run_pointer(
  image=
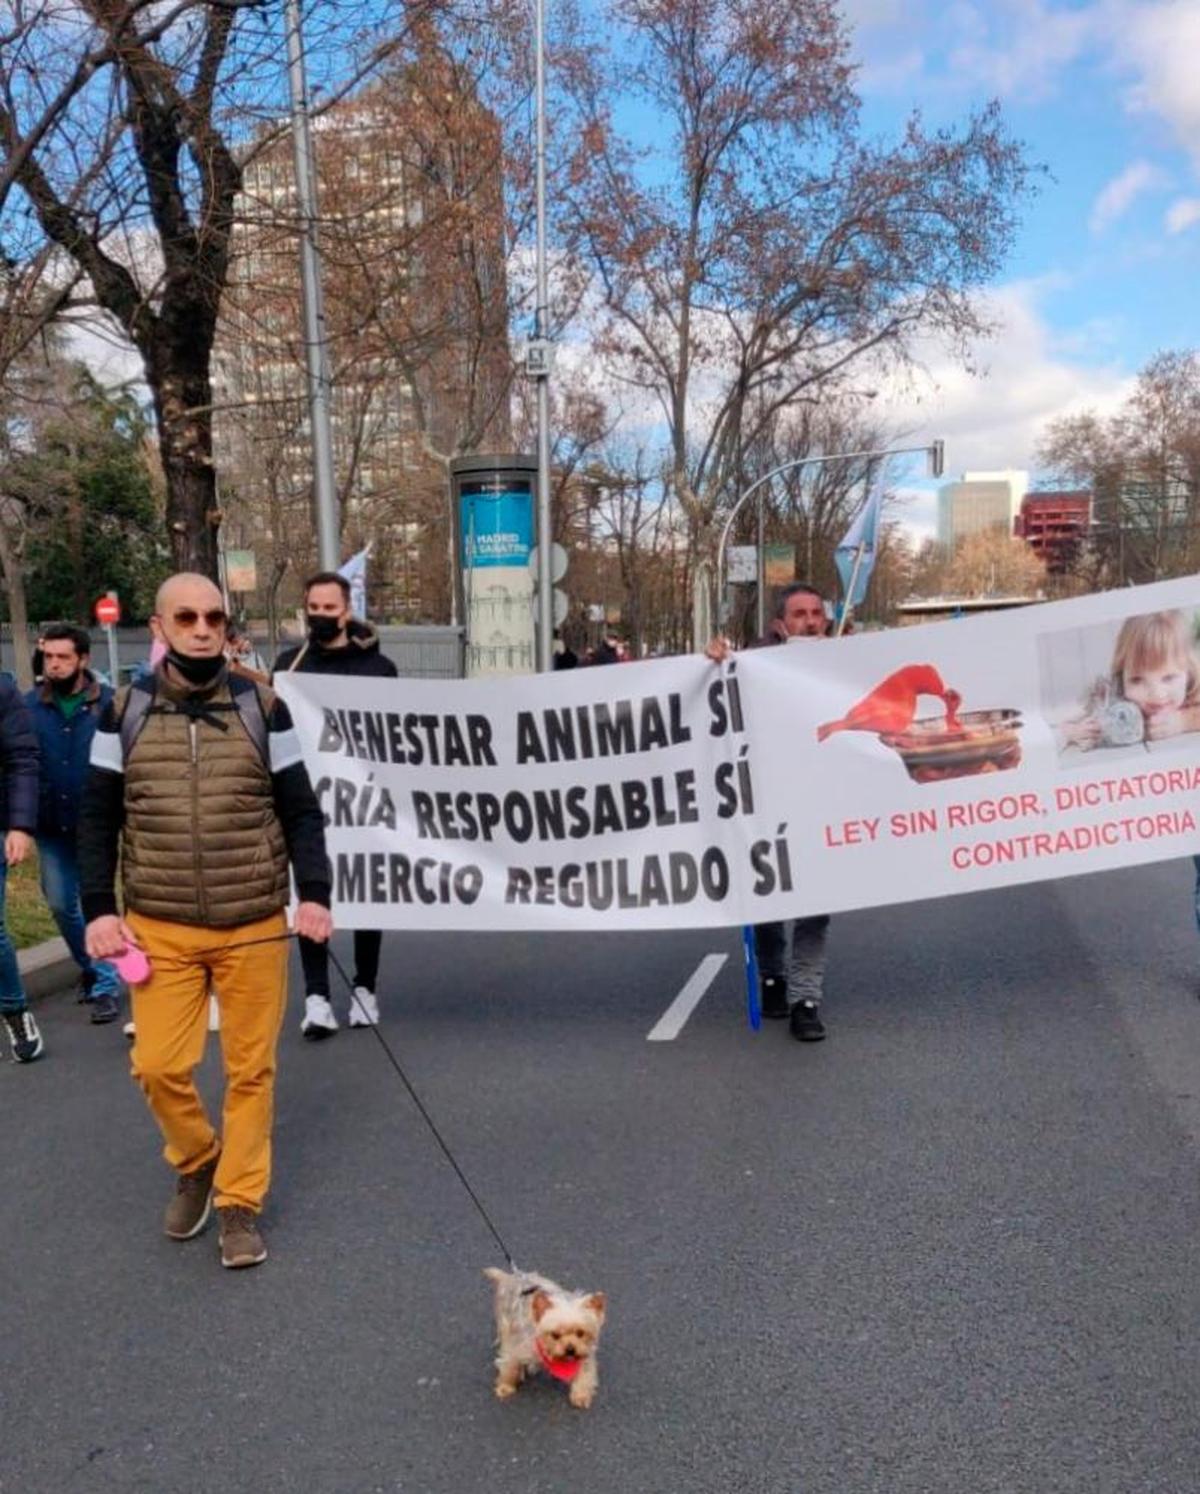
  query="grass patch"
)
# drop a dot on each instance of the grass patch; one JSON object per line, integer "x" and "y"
{"x": 29, "y": 919}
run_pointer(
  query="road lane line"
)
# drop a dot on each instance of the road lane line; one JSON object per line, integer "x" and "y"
{"x": 670, "y": 1024}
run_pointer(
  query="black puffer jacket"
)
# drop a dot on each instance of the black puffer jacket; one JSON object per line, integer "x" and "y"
{"x": 362, "y": 655}
{"x": 18, "y": 762}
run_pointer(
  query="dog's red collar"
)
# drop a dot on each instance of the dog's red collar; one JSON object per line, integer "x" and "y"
{"x": 561, "y": 1369}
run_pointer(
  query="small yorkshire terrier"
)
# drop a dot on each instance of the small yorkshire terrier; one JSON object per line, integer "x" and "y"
{"x": 541, "y": 1326}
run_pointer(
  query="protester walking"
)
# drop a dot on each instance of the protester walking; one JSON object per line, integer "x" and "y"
{"x": 791, "y": 961}
{"x": 198, "y": 778}
{"x": 18, "y": 808}
{"x": 337, "y": 644}
{"x": 66, "y": 709}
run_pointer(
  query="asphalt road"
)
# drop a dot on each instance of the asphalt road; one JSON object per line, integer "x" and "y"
{"x": 955, "y": 1249}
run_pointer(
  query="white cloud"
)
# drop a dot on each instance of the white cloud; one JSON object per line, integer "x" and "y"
{"x": 1163, "y": 43}
{"x": 995, "y": 419}
{"x": 1182, "y": 213}
{"x": 1016, "y": 48}
{"x": 1118, "y": 196}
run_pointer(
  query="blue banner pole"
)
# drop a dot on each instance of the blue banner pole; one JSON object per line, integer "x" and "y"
{"x": 753, "y": 1006}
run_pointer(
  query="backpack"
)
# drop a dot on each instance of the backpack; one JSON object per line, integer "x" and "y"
{"x": 139, "y": 703}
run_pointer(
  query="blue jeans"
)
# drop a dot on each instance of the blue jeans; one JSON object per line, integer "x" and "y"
{"x": 60, "y": 887}
{"x": 12, "y": 992}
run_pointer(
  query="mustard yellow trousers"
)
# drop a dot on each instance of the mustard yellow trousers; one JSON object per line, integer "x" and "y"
{"x": 170, "y": 1013}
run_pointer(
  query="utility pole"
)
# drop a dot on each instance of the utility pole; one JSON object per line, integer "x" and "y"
{"x": 538, "y": 363}
{"x": 316, "y": 355}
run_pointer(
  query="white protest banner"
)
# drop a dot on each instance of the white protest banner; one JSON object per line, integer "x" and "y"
{"x": 816, "y": 776}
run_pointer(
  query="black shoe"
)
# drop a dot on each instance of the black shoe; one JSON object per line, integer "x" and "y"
{"x": 104, "y": 1009}
{"x": 774, "y": 996}
{"x": 806, "y": 1023}
{"x": 24, "y": 1036}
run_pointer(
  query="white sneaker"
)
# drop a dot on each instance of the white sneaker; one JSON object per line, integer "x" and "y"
{"x": 130, "y": 1031}
{"x": 319, "y": 1021}
{"x": 364, "y": 1009}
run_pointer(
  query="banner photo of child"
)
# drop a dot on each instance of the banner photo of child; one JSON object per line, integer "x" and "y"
{"x": 1124, "y": 689}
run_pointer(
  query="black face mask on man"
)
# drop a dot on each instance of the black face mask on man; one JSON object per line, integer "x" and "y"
{"x": 196, "y": 671}
{"x": 323, "y": 629}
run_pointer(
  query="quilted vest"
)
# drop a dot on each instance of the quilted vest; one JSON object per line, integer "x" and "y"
{"x": 201, "y": 843}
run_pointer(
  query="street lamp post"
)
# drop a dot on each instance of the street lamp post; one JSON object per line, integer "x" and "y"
{"x": 935, "y": 453}
{"x": 538, "y": 362}
{"x": 316, "y": 354}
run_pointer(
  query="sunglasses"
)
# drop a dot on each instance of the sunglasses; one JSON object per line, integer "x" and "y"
{"x": 188, "y": 617}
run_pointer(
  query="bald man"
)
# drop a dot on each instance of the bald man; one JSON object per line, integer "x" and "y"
{"x": 197, "y": 783}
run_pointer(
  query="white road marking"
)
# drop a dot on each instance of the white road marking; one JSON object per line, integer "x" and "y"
{"x": 670, "y": 1024}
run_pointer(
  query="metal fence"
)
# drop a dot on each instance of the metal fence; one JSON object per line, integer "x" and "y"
{"x": 418, "y": 652}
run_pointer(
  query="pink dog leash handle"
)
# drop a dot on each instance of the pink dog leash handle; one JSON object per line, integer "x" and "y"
{"x": 132, "y": 965}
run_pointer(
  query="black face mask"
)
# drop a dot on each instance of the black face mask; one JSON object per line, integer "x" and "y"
{"x": 323, "y": 629}
{"x": 196, "y": 671}
{"x": 70, "y": 686}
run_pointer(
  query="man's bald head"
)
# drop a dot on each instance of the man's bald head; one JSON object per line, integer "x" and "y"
{"x": 198, "y": 590}
{"x": 189, "y": 616}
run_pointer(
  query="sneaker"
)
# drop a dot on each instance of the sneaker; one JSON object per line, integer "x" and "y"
{"x": 130, "y": 1031}
{"x": 241, "y": 1243}
{"x": 104, "y": 1009}
{"x": 364, "y": 1009}
{"x": 806, "y": 1023}
{"x": 774, "y": 996}
{"x": 319, "y": 1021}
{"x": 24, "y": 1036}
{"x": 188, "y": 1211}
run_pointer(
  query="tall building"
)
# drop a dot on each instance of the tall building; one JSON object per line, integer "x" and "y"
{"x": 412, "y": 240}
{"x": 1055, "y": 526}
{"x": 977, "y": 502}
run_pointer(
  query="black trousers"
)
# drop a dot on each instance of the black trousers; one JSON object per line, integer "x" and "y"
{"x": 315, "y": 959}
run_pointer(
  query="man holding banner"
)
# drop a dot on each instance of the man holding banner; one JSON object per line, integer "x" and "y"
{"x": 792, "y": 976}
{"x": 342, "y": 644}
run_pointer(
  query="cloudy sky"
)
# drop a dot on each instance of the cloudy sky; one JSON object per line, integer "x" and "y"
{"x": 1107, "y": 96}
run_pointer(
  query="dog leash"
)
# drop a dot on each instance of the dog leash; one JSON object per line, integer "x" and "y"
{"x": 404, "y": 1079}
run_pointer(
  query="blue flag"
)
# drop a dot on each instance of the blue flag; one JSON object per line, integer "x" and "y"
{"x": 855, "y": 556}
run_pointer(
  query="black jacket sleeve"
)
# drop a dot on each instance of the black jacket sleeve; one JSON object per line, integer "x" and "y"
{"x": 298, "y": 810}
{"x": 19, "y": 760}
{"x": 101, "y": 816}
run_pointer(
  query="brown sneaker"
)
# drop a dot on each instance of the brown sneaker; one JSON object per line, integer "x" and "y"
{"x": 188, "y": 1211}
{"x": 241, "y": 1243}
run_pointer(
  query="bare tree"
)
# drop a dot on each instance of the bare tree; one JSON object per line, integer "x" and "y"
{"x": 125, "y": 127}
{"x": 765, "y": 253}
{"x": 990, "y": 563}
{"x": 1142, "y": 466}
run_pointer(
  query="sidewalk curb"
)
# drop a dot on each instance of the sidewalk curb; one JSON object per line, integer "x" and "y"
{"x": 46, "y": 969}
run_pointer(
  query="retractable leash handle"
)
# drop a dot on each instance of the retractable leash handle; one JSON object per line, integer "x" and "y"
{"x": 131, "y": 965}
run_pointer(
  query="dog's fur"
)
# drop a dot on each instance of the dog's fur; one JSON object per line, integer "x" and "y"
{"x": 529, "y": 1308}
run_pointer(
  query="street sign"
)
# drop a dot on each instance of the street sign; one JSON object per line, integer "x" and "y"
{"x": 742, "y": 563}
{"x": 240, "y": 571}
{"x": 558, "y": 562}
{"x": 108, "y": 612}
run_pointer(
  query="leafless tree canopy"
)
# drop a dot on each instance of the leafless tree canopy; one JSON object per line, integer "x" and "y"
{"x": 764, "y": 253}
{"x": 1143, "y": 468}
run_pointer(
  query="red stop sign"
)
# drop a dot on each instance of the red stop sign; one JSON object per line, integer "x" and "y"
{"x": 108, "y": 611}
